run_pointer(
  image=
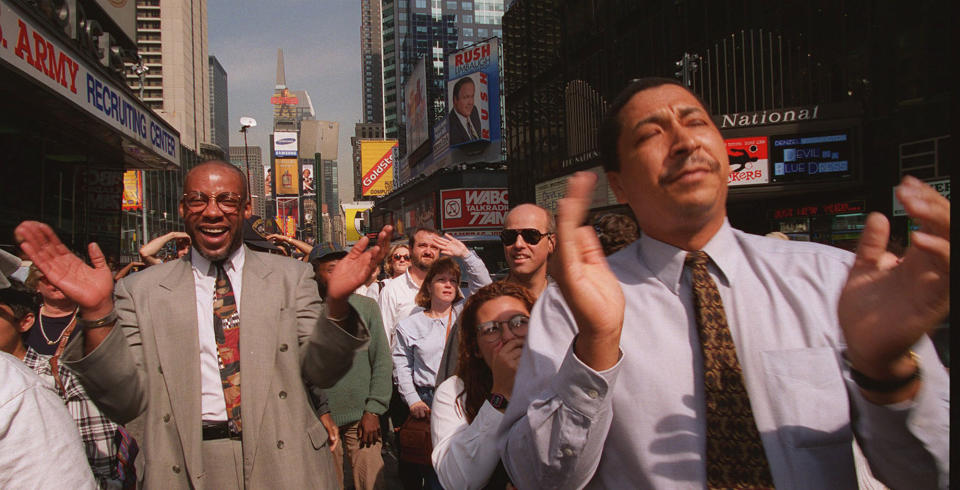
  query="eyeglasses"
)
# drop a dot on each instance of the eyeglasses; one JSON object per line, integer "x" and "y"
{"x": 401, "y": 257}
{"x": 530, "y": 235}
{"x": 492, "y": 331}
{"x": 229, "y": 202}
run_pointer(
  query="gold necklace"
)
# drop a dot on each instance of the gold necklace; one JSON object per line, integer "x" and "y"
{"x": 42, "y": 332}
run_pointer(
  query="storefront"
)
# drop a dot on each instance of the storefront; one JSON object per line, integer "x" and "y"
{"x": 69, "y": 127}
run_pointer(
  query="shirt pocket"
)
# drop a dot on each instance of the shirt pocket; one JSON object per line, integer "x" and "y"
{"x": 808, "y": 398}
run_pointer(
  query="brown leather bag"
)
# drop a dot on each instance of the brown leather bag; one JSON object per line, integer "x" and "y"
{"x": 413, "y": 440}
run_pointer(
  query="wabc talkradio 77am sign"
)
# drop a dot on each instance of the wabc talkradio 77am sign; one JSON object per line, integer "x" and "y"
{"x": 473, "y": 208}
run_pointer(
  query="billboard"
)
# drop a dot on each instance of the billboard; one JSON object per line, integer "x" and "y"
{"x": 267, "y": 182}
{"x": 473, "y": 208}
{"x": 285, "y": 144}
{"x": 287, "y": 176}
{"x": 307, "y": 177}
{"x": 748, "y": 161}
{"x": 815, "y": 157}
{"x": 288, "y": 209}
{"x": 376, "y": 166}
{"x": 132, "y": 191}
{"x": 415, "y": 100}
{"x": 549, "y": 192}
{"x": 473, "y": 103}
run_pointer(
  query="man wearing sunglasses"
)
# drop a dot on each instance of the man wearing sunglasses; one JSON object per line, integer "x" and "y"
{"x": 173, "y": 343}
{"x": 528, "y": 239}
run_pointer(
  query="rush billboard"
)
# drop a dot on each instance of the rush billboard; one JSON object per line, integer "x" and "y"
{"x": 376, "y": 167}
{"x": 473, "y": 208}
{"x": 473, "y": 103}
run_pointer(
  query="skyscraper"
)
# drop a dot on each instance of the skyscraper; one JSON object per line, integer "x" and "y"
{"x": 219, "y": 120}
{"x": 432, "y": 29}
{"x": 371, "y": 60}
{"x": 172, "y": 42}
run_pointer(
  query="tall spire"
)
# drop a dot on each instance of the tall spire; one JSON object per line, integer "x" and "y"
{"x": 281, "y": 76}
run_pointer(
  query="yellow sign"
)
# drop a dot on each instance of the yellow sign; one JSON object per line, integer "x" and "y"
{"x": 132, "y": 191}
{"x": 376, "y": 166}
{"x": 353, "y": 221}
{"x": 287, "y": 176}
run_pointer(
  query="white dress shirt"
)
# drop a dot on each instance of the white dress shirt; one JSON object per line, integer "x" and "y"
{"x": 213, "y": 406}
{"x": 465, "y": 453}
{"x": 641, "y": 424}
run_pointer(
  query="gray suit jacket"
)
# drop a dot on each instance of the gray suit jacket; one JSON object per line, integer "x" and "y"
{"x": 150, "y": 362}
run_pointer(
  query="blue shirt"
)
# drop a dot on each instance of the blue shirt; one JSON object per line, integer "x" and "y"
{"x": 418, "y": 349}
{"x": 641, "y": 424}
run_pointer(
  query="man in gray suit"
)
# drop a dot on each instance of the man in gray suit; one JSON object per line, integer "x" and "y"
{"x": 174, "y": 340}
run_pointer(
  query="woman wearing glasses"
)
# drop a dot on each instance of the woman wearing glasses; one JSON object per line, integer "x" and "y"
{"x": 468, "y": 407}
{"x": 398, "y": 260}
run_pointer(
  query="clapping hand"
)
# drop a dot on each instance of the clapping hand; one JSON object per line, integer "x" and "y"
{"x": 887, "y": 304}
{"x": 588, "y": 285}
{"x": 90, "y": 287}
{"x": 354, "y": 269}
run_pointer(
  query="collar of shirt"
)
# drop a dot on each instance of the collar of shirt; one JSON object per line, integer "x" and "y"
{"x": 203, "y": 266}
{"x": 666, "y": 261}
{"x": 410, "y": 282}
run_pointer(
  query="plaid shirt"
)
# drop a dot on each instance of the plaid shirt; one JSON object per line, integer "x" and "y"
{"x": 96, "y": 430}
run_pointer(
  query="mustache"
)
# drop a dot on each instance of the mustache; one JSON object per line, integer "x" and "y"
{"x": 689, "y": 164}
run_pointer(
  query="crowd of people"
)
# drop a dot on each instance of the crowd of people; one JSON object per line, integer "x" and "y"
{"x": 665, "y": 349}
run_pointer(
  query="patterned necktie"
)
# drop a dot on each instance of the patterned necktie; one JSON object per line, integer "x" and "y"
{"x": 735, "y": 457}
{"x": 226, "y": 331}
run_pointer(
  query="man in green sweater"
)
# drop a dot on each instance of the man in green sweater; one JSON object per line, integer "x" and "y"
{"x": 362, "y": 395}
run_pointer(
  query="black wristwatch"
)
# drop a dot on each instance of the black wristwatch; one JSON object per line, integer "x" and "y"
{"x": 886, "y": 385}
{"x": 498, "y": 401}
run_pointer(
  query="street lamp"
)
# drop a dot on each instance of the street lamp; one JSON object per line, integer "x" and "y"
{"x": 245, "y": 123}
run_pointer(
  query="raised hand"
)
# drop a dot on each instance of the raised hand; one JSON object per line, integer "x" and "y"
{"x": 90, "y": 287}
{"x": 888, "y": 304}
{"x": 354, "y": 269}
{"x": 581, "y": 271}
{"x": 449, "y": 245}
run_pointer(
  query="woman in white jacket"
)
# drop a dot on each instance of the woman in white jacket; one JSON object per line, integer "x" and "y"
{"x": 468, "y": 407}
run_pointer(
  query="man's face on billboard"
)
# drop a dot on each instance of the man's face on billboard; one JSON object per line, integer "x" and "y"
{"x": 463, "y": 102}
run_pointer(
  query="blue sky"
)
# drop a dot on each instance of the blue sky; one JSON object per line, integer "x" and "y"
{"x": 321, "y": 50}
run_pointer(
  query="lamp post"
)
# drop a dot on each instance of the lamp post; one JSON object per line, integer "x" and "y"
{"x": 246, "y": 123}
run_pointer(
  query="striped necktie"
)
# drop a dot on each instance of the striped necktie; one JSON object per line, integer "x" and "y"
{"x": 735, "y": 457}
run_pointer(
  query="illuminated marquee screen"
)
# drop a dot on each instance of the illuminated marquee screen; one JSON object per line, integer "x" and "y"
{"x": 823, "y": 156}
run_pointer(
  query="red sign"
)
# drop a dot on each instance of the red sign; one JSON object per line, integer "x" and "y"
{"x": 474, "y": 208}
{"x": 820, "y": 210}
{"x": 748, "y": 161}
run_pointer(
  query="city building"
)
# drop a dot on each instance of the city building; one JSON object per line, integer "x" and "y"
{"x": 822, "y": 114}
{"x": 319, "y": 150}
{"x": 362, "y": 131}
{"x": 371, "y": 61}
{"x": 219, "y": 119}
{"x": 71, "y": 126}
{"x": 429, "y": 29}
{"x": 238, "y": 157}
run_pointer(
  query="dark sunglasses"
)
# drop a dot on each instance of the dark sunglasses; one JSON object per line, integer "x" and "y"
{"x": 401, "y": 257}
{"x": 530, "y": 235}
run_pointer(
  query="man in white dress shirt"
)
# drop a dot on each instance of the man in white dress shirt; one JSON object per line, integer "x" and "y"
{"x": 611, "y": 392}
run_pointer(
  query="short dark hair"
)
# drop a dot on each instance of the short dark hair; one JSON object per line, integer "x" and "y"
{"x": 610, "y": 126}
{"x": 460, "y": 83}
{"x": 19, "y": 298}
{"x": 243, "y": 176}
{"x": 410, "y": 241}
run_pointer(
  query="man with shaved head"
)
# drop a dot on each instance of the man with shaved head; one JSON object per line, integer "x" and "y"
{"x": 172, "y": 341}
{"x": 528, "y": 239}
